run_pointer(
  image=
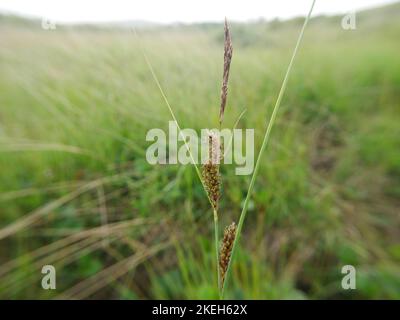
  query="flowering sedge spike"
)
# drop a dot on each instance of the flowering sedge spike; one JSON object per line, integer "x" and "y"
{"x": 226, "y": 249}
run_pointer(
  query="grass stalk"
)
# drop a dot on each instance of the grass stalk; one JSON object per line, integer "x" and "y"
{"x": 263, "y": 146}
{"x": 216, "y": 239}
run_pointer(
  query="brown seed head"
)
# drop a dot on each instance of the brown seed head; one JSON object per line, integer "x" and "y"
{"x": 210, "y": 170}
{"x": 226, "y": 249}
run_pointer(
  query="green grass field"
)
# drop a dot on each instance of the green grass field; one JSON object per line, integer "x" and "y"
{"x": 76, "y": 191}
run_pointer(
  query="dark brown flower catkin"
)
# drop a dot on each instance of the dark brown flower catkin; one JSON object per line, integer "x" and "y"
{"x": 210, "y": 170}
{"x": 226, "y": 249}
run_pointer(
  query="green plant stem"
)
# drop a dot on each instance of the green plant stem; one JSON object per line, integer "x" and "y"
{"x": 216, "y": 236}
{"x": 263, "y": 146}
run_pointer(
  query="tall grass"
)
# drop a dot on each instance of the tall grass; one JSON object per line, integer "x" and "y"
{"x": 211, "y": 177}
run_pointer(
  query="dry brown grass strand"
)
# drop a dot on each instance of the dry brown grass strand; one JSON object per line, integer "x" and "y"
{"x": 89, "y": 286}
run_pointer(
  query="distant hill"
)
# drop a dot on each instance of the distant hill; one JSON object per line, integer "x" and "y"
{"x": 378, "y": 15}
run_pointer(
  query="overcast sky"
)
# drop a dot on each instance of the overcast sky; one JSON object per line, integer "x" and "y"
{"x": 177, "y": 10}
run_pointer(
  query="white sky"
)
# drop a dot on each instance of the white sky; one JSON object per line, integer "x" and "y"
{"x": 177, "y": 10}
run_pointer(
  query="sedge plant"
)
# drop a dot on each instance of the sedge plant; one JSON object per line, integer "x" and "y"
{"x": 209, "y": 175}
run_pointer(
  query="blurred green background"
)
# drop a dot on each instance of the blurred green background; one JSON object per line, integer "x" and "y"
{"x": 76, "y": 191}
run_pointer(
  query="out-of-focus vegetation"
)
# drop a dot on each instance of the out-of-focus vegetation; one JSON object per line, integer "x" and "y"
{"x": 77, "y": 192}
